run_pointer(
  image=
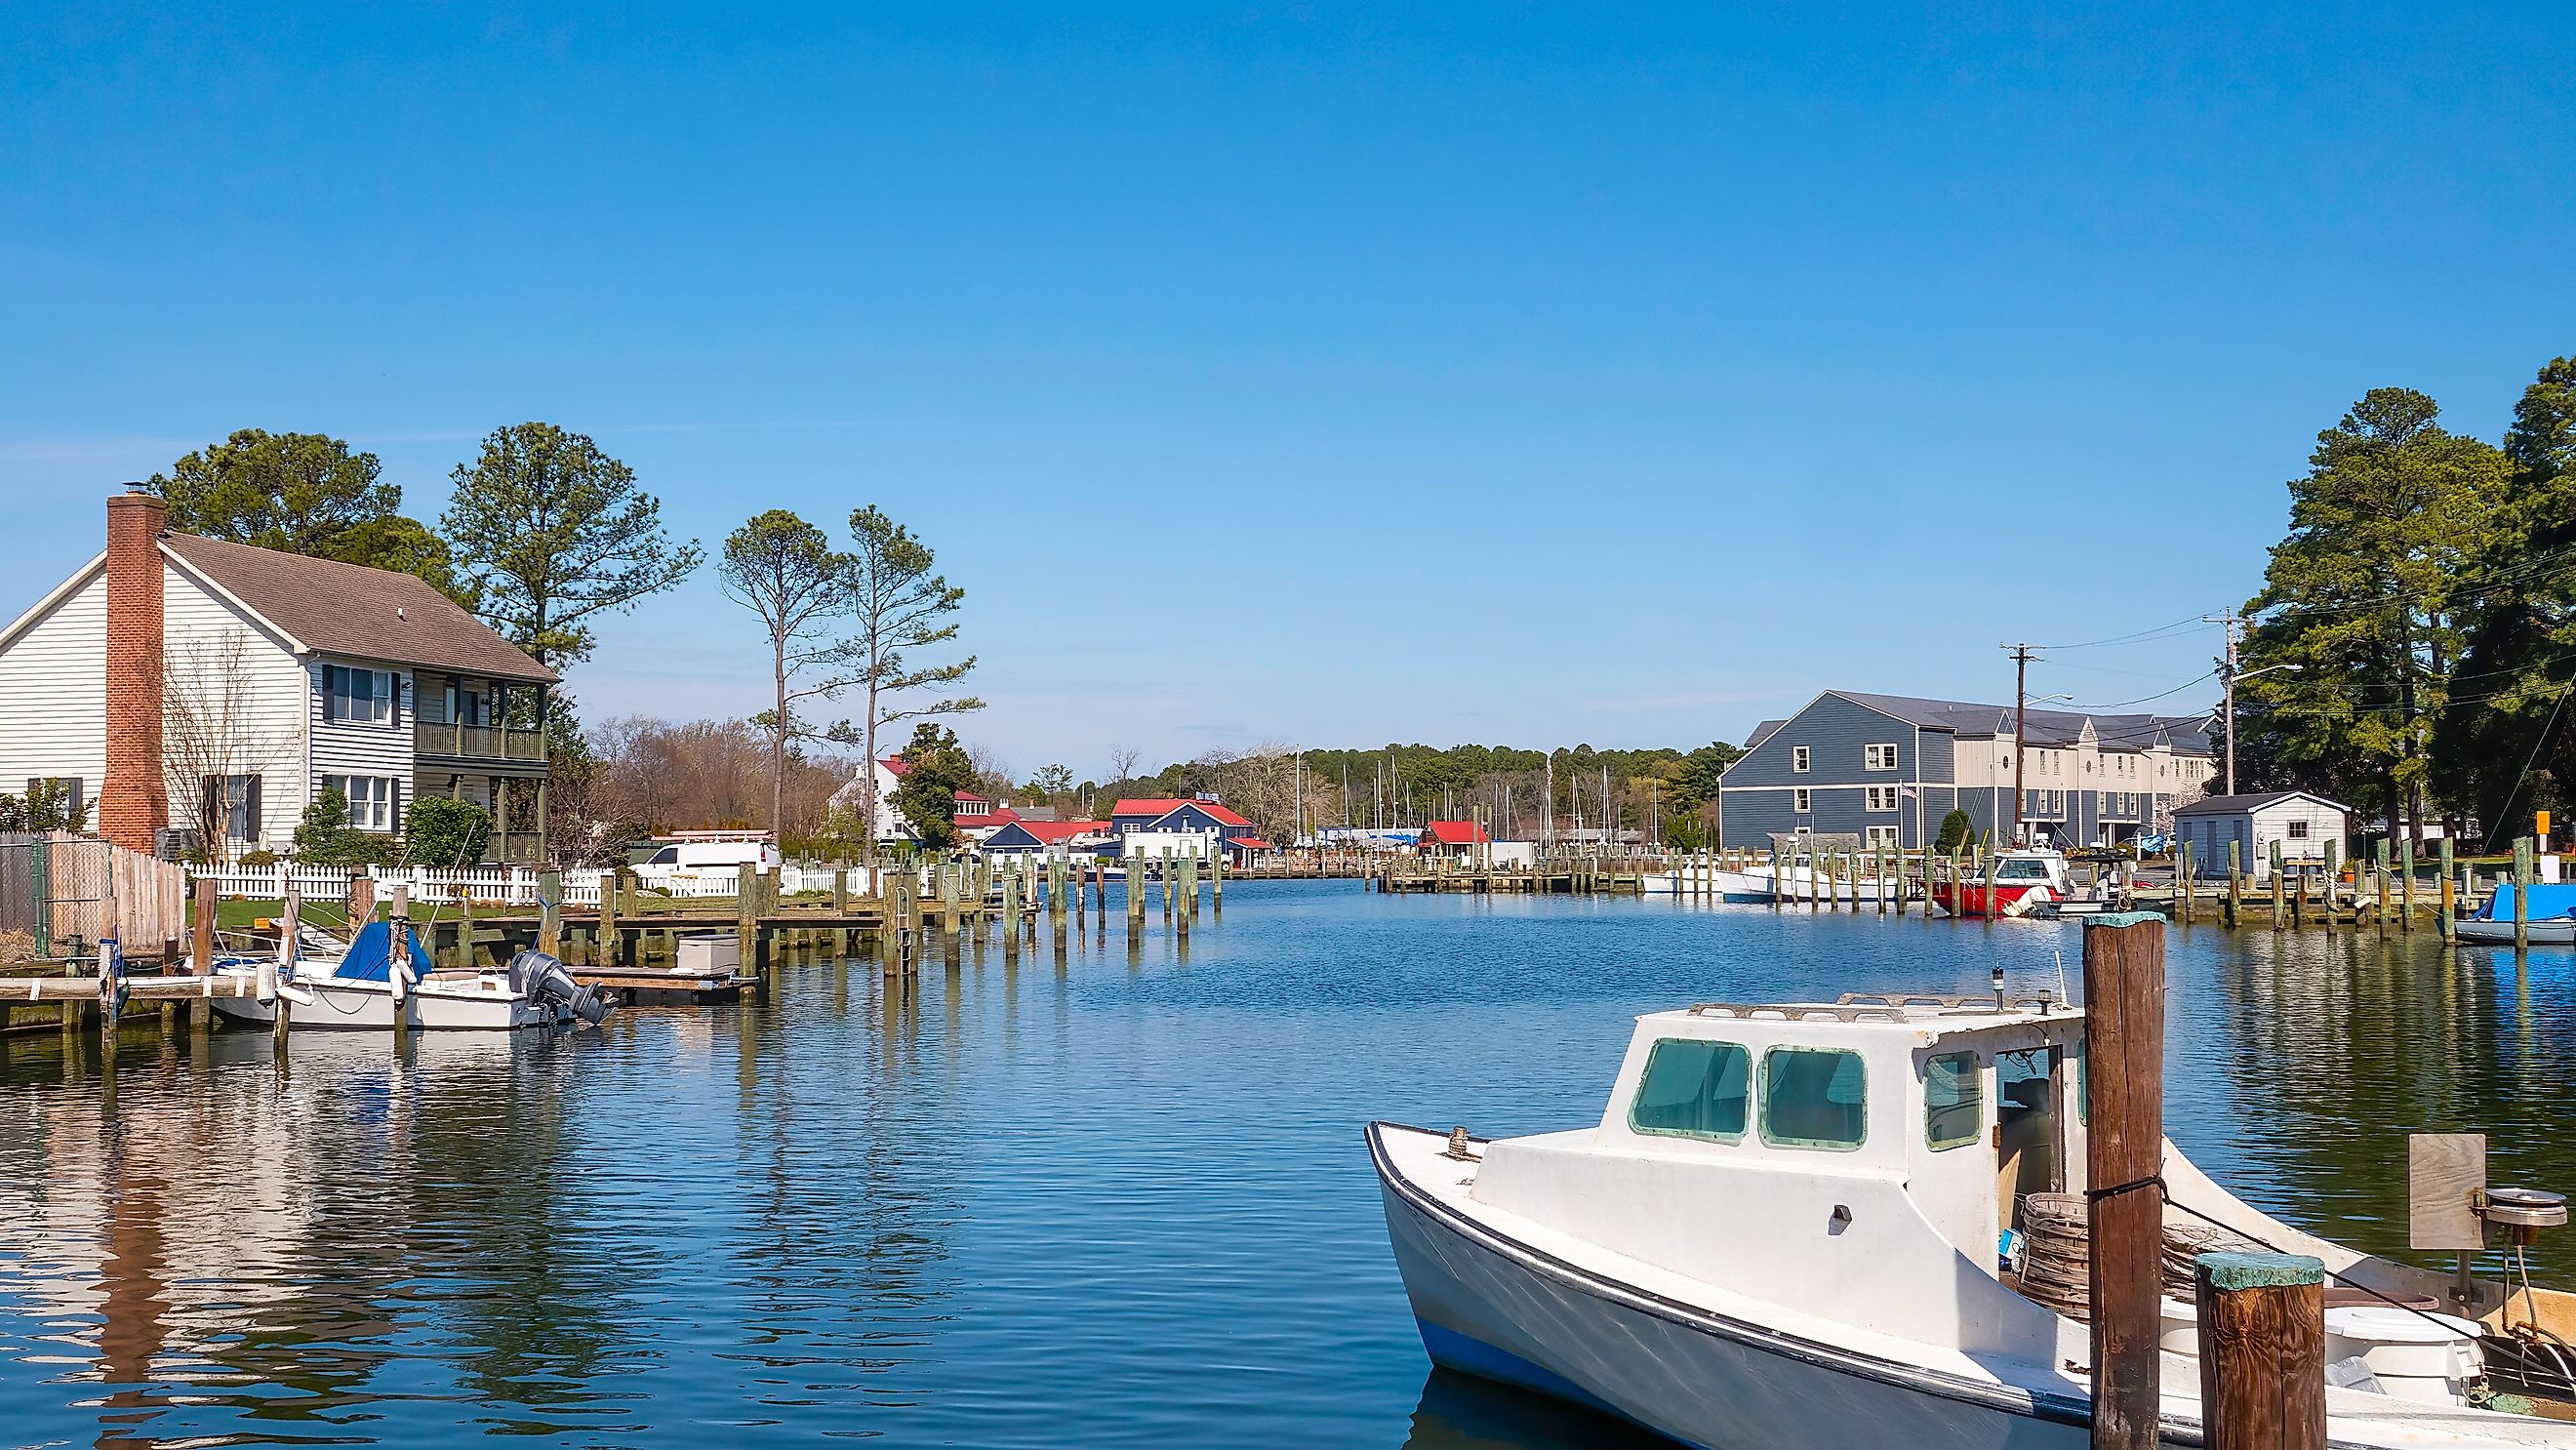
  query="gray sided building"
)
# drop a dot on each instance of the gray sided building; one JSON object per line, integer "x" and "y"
{"x": 1888, "y": 768}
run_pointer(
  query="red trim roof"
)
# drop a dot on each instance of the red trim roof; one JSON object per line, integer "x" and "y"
{"x": 1250, "y": 843}
{"x": 1051, "y": 832}
{"x": 896, "y": 765}
{"x": 1457, "y": 833}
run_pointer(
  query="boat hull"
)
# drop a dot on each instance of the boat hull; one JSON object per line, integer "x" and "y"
{"x": 1489, "y": 1307}
{"x": 1981, "y": 900}
{"x": 1799, "y": 886}
{"x": 369, "y": 1006}
{"x": 2556, "y": 931}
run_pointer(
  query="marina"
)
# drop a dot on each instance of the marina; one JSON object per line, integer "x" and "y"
{"x": 865, "y": 1253}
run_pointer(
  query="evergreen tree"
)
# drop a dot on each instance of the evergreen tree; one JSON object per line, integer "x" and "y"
{"x": 935, "y": 769}
{"x": 302, "y": 493}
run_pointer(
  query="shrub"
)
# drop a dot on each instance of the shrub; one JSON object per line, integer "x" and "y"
{"x": 443, "y": 832}
{"x": 257, "y": 858}
{"x": 1956, "y": 828}
{"x": 325, "y": 838}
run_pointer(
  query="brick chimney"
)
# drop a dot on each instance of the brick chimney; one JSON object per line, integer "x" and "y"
{"x": 133, "y": 802}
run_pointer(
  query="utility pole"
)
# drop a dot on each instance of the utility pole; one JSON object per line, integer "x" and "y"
{"x": 2235, "y": 630}
{"x": 2022, "y": 656}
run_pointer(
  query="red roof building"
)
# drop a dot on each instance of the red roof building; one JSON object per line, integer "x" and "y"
{"x": 1447, "y": 836}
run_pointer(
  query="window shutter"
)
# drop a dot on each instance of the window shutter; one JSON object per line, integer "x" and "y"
{"x": 250, "y": 794}
{"x": 212, "y": 794}
{"x": 330, "y": 692}
{"x": 399, "y": 680}
{"x": 394, "y": 798}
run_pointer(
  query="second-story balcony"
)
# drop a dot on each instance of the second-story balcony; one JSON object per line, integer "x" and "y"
{"x": 495, "y": 743}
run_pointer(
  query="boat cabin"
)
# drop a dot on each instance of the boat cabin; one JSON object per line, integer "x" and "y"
{"x": 1972, "y": 1105}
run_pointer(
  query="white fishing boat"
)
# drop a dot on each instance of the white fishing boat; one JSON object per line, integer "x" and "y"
{"x": 1796, "y": 878}
{"x": 358, "y": 989}
{"x": 1784, "y": 1232}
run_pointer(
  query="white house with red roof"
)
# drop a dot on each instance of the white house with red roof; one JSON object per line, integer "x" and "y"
{"x": 1451, "y": 838}
{"x": 1048, "y": 838}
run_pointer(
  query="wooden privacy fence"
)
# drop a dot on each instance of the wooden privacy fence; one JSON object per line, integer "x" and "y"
{"x": 66, "y": 892}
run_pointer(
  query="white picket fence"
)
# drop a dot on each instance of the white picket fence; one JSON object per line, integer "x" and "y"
{"x": 485, "y": 885}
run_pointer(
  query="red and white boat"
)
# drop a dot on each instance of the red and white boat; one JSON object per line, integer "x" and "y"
{"x": 2018, "y": 883}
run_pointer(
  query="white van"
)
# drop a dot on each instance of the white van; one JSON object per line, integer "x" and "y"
{"x": 716, "y": 856}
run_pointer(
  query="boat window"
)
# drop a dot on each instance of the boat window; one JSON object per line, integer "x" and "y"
{"x": 2021, "y": 871}
{"x": 1695, "y": 1089}
{"x": 1813, "y": 1097}
{"x": 664, "y": 857}
{"x": 1954, "y": 1107}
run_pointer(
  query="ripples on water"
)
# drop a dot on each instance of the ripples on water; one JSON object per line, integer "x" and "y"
{"x": 1118, "y": 1201}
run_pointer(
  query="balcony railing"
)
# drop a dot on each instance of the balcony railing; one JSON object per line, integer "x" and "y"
{"x": 479, "y": 742}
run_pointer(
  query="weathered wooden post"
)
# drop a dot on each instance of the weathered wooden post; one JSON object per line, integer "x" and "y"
{"x": 2406, "y": 883}
{"x": 290, "y": 937}
{"x": 1216, "y": 879}
{"x": 746, "y": 917}
{"x": 1136, "y": 895}
{"x": 1188, "y": 869}
{"x": 2521, "y": 893}
{"x": 2124, "y": 997}
{"x": 2332, "y": 847}
{"x": 1169, "y": 880}
{"x": 550, "y": 913}
{"x": 2379, "y": 890}
{"x": 841, "y": 891}
{"x": 2274, "y": 861}
{"x": 2262, "y": 1351}
{"x": 2235, "y": 880}
{"x": 2446, "y": 905}
{"x": 2182, "y": 880}
{"x": 612, "y": 944}
{"x": 201, "y": 928}
{"x": 398, "y": 972}
{"x": 362, "y": 901}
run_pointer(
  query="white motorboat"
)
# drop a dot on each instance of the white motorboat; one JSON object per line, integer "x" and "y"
{"x": 1796, "y": 880}
{"x": 2549, "y": 921}
{"x": 358, "y": 990}
{"x": 1783, "y": 1232}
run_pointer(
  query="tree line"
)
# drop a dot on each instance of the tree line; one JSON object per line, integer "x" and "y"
{"x": 2413, "y": 646}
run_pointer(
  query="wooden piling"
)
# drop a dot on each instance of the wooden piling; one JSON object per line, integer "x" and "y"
{"x": 610, "y": 950}
{"x": 2235, "y": 882}
{"x": 398, "y": 968}
{"x": 746, "y": 916}
{"x": 2446, "y": 905}
{"x": 2521, "y": 893}
{"x": 2406, "y": 883}
{"x": 201, "y": 928}
{"x": 2182, "y": 882}
{"x": 2331, "y": 848}
{"x": 2262, "y": 1351}
{"x": 290, "y": 934}
{"x": 2274, "y": 861}
{"x": 550, "y": 913}
{"x": 2124, "y": 995}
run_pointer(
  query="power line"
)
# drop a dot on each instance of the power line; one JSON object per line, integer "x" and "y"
{"x": 2186, "y": 625}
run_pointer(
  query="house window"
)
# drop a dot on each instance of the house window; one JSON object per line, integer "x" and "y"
{"x": 371, "y": 800}
{"x": 1802, "y": 800}
{"x": 1878, "y": 757}
{"x": 1878, "y": 797}
{"x": 1798, "y": 758}
{"x": 360, "y": 696}
{"x": 1694, "y": 1090}
{"x": 233, "y": 802}
{"x": 2298, "y": 830}
{"x": 1881, "y": 836}
{"x": 63, "y": 789}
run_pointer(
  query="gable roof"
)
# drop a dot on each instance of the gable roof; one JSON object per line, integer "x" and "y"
{"x": 1052, "y": 832}
{"x": 1456, "y": 833}
{"x": 350, "y": 609}
{"x": 2039, "y": 727}
{"x": 1762, "y": 732}
{"x": 1158, "y": 809}
{"x": 2228, "y": 805}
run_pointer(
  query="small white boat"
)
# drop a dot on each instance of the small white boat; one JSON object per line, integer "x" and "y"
{"x": 356, "y": 990}
{"x": 1784, "y": 1230}
{"x": 1798, "y": 880}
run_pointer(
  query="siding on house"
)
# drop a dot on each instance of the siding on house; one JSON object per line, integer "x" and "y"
{"x": 53, "y": 689}
{"x": 1760, "y": 788}
{"x": 211, "y": 649}
{"x": 2253, "y": 823}
{"x": 363, "y": 747}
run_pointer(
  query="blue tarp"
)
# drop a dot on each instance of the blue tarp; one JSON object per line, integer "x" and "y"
{"x": 370, "y": 956}
{"x": 2548, "y": 903}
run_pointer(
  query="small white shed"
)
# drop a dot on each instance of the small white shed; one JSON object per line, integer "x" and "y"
{"x": 2301, "y": 822}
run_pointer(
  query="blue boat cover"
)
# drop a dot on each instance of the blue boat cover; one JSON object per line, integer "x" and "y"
{"x": 370, "y": 957}
{"x": 2548, "y": 903}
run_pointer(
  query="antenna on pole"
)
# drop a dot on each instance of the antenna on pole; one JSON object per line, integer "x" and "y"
{"x": 2022, "y": 655}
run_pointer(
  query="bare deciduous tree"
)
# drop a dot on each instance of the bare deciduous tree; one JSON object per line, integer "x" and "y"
{"x": 212, "y": 730}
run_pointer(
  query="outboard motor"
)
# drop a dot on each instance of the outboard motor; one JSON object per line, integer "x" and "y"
{"x": 542, "y": 980}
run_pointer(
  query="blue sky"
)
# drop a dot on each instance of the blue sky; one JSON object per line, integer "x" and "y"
{"x": 1512, "y": 374}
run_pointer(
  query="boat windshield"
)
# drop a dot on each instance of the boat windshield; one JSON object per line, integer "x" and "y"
{"x": 2022, "y": 870}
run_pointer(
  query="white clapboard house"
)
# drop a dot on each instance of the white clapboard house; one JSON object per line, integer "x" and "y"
{"x": 173, "y": 678}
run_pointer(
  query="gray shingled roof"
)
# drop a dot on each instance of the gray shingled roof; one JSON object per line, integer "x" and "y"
{"x": 2040, "y": 727}
{"x": 1762, "y": 732}
{"x": 350, "y": 609}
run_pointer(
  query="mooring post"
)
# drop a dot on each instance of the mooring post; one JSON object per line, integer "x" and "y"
{"x": 550, "y": 913}
{"x": 2379, "y": 890}
{"x": 2331, "y": 848}
{"x": 2235, "y": 881}
{"x": 290, "y": 933}
{"x": 2262, "y": 1351}
{"x": 2406, "y": 883}
{"x": 612, "y": 946}
{"x": 398, "y": 970}
{"x": 2182, "y": 880}
{"x": 2274, "y": 861}
{"x": 746, "y": 918}
{"x": 201, "y": 928}
{"x": 841, "y": 891}
{"x": 1216, "y": 879}
{"x": 2124, "y": 998}
{"x": 2521, "y": 893}
{"x": 2446, "y": 904}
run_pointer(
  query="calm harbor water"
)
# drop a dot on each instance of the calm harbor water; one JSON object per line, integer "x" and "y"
{"x": 1118, "y": 1200}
